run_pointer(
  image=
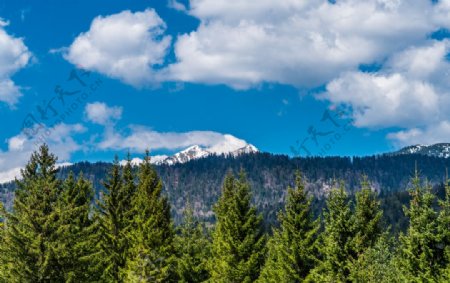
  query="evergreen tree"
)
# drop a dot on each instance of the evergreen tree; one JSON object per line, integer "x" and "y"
{"x": 193, "y": 247}
{"x": 127, "y": 192}
{"x": 74, "y": 228}
{"x": 151, "y": 255}
{"x": 419, "y": 245}
{"x": 3, "y": 258}
{"x": 238, "y": 247}
{"x": 336, "y": 245}
{"x": 367, "y": 218}
{"x": 292, "y": 248}
{"x": 31, "y": 234}
{"x": 443, "y": 231}
{"x": 377, "y": 264}
{"x": 110, "y": 231}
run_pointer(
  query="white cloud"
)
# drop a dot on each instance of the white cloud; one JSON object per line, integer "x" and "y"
{"x": 10, "y": 175}
{"x": 60, "y": 140}
{"x": 126, "y": 46}
{"x": 174, "y": 4}
{"x": 244, "y": 43}
{"x": 432, "y": 134}
{"x": 14, "y": 55}
{"x": 100, "y": 113}
{"x": 410, "y": 91}
{"x": 384, "y": 100}
{"x": 9, "y": 92}
{"x": 141, "y": 138}
{"x": 442, "y": 12}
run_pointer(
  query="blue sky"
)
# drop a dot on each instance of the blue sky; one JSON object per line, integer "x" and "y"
{"x": 178, "y": 73}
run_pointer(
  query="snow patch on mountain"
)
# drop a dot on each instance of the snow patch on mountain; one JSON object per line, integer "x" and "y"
{"x": 231, "y": 146}
{"x": 437, "y": 150}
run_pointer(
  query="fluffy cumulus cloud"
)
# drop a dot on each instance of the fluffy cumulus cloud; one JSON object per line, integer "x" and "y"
{"x": 243, "y": 43}
{"x": 411, "y": 91}
{"x": 60, "y": 138}
{"x": 385, "y": 100}
{"x": 14, "y": 55}
{"x": 126, "y": 46}
{"x": 102, "y": 114}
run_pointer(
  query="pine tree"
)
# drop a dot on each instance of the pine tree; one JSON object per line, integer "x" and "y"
{"x": 443, "y": 229}
{"x": 74, "y": 228}
{"x": 3, "y": 258}
{"x": 193, "y": 248}
{"x": 31, "y": 234}
{"x": 151, "y": 255}
{"x": 377, "y": 264}
{"x": 336, "y": 247}
{"x": 238, "y": 247}
{"x": 127, "y": 192}
{"x": 419, "y": 244}
{"x": 110, "y": 231}
{"x": 367, "y": 218}
{"x": 292, "y": 248}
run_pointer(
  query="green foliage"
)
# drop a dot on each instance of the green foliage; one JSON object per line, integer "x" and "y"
{"x": 377, "y": 264}
{"x": 293, "y": 248}
{"x": 443, "y": 231}
{"x": 111, "y": 226}
{"x": 30, "y": 242}
{"x": 54, "y": 233}
{"x": 193, "y": 248}
{"x": 151, "y": 255}
{"x": 418, "y": 250}
{"x": 367, "y": 218}
{"x": 74, "y": 228}
{"x": 238, "y": 247}
{"x": 3, "y": 259}
{"x": 336, "y": 246}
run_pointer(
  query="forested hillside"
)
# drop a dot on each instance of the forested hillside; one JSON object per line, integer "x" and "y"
{"x": 269, "y": 175}
{"x": 60, "y": 230}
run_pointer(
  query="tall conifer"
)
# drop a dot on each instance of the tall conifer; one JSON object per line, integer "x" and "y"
{"x": 111, "y": 252}
{"x": 193, "y": 248}
{"x": 336, "y": 240}
{"x": 31, "y": 235}
{"x": 419, "y": 247}
{"x": 292, "y": 248}
{"x": 74, "y": 228}
{"x": 367, "y": 218}
{"x": 151, "y": 255}
{"x": 238, "y": 242}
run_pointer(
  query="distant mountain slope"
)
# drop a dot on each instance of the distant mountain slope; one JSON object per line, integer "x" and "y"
{"x": 436, "y": 150}
{"x": 200, "y": 180}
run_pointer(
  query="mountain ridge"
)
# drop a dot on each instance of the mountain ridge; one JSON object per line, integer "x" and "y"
{"x": 441, "y": 150}
{"x": 192, "y": 153}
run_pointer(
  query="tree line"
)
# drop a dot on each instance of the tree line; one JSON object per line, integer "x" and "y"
{"x": 58, "y": 231}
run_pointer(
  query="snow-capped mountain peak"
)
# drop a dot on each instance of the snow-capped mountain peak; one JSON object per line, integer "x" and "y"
{"x": 190, "y": 153}
{"x": 196, "y": 151}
